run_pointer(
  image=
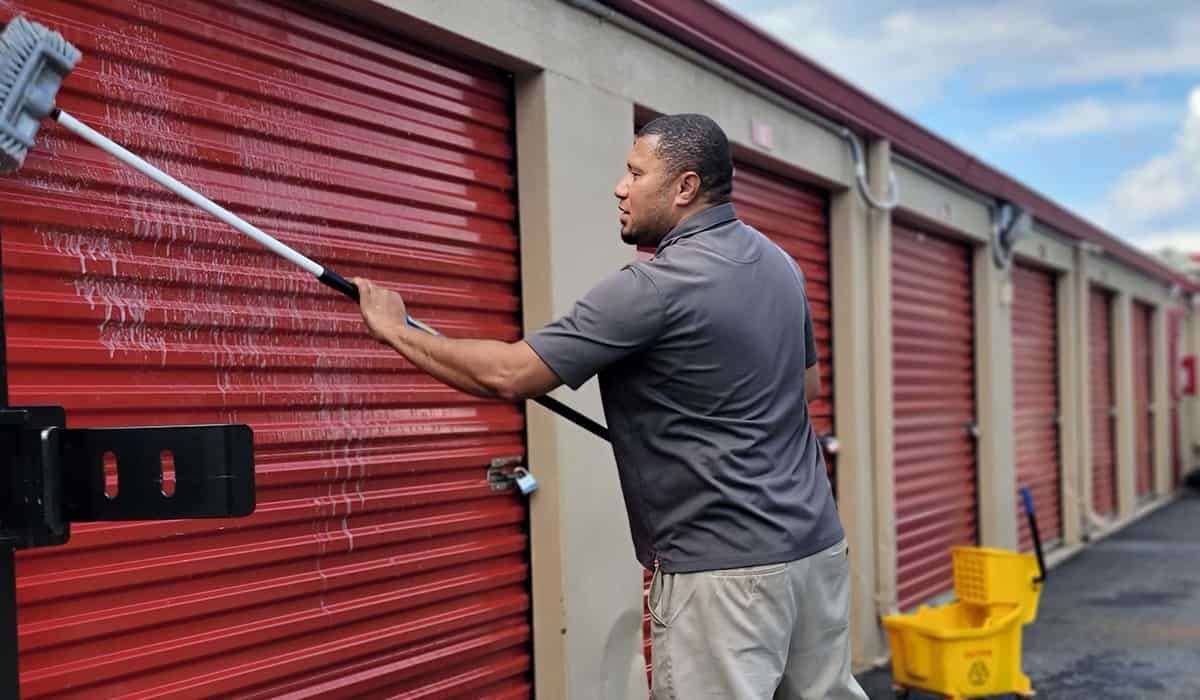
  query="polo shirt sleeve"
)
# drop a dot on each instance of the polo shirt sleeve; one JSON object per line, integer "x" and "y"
{"x": 810, "y": 340}
{"x": 620, "y": 316}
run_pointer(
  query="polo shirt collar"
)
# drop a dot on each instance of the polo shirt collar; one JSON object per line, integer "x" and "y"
{"x": 709, "y": 218}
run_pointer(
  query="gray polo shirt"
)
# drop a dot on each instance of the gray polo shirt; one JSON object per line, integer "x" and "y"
{"x": 701, "y": 353}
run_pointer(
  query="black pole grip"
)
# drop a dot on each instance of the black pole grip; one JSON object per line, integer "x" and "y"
{"x": 335, "y": 281}
{"x": 556, "y": 406}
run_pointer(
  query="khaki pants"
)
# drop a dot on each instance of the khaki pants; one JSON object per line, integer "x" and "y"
{"x": 775, "y": 632}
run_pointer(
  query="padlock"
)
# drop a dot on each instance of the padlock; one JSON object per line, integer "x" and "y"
{"x": 525, "y": 480}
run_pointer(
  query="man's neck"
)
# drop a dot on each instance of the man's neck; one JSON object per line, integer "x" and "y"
{"x": 690, "y": 212}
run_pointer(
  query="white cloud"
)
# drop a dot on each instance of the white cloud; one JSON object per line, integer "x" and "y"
{"x": 1085, "y": 117}
{"x": 1159, "y": 200}
{"x": 1183, "y": 241}
{"x": 1175, "y": 53}
{"x": 907, "y": 57}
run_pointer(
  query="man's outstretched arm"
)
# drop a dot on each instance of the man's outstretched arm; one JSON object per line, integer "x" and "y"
{"x": 485, "y": 368}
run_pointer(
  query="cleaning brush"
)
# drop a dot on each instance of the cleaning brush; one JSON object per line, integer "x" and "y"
{"x": 33, "y": 63}
{"x": 34, "y": 60}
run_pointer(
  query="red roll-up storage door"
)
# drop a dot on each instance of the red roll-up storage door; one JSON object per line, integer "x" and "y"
{"x": 1035, "y": 400}
{"x": 933, "y": 336}
{"x": 1143, "y": 381}
{"x": 1102, "y": 399}
{"x": 378, "y": 563}
{"x": 796, "y": 217}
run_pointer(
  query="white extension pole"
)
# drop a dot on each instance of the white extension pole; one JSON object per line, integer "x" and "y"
{"x": 326, "y": 276}
{"x": 101, "y": 141}
{"x": 114, "y": 149}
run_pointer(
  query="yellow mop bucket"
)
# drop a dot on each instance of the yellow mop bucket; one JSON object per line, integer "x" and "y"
{"x": 959, "y": 650}
{"x": 972, "y": 647}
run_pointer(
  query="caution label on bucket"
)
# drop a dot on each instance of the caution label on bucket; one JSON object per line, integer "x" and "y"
{"x": 978, "y": 673}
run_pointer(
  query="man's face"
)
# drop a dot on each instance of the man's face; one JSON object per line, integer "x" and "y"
{"x": 646, "y": 196}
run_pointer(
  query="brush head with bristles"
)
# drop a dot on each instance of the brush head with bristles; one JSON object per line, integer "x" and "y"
{"x": 33, "y": 62}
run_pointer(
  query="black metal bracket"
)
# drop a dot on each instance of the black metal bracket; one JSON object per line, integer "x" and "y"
{"x": 57, "y": 475}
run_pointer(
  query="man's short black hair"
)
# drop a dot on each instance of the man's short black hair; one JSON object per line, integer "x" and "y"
{"x": 695, "y": 142}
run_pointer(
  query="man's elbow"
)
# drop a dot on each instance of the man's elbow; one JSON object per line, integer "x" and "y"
{"x": 509, "y": 391}
{"x": 505, "y": 385}
{"x": 520, "y": 375}
{"x": 497, "y": 387}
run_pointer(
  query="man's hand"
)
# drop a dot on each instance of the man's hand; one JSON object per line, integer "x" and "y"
{"x": 382, "y": 309}
{"x": 487, "y": 368}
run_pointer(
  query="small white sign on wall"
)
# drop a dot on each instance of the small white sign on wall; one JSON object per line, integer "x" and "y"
{"x": 761, "y": 134}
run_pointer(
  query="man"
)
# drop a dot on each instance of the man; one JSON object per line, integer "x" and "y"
{"x": 700, "y": 353}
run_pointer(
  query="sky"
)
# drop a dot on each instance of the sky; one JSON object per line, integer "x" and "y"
{"x": 1094, "y": 103}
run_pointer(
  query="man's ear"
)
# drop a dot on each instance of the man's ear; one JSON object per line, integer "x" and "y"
{"x": 688, "y": 189}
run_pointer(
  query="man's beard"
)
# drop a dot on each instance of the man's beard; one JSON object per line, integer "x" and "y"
{"x": 648, "y": 235}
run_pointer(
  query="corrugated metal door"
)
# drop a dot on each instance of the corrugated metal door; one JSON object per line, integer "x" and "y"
{"x": 795, "y": 216}
{"x": 1035, "y": 400}
{"x": 378, "y": 563}
{"x": 1102, "y": 417}
{"x": 1143, "y": 381}
{"x": 934, "y": 393}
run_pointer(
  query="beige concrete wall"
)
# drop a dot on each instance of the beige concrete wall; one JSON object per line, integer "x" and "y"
{"x": 1126, "y": 424}
{"x": 1107, "y": 273}
{"x": 1189, "y": 416}
{"x": 586, "y": 585}
{"x": 1069, "y": 408}
{"x": 944, "y": 206}
{"x": 864, "y": 487}
{"x": 1190, "y": 405}
{"x": 1079, "y": 490}
{"x": 994, "y": 403}
{"x": 1046, "y": 249}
